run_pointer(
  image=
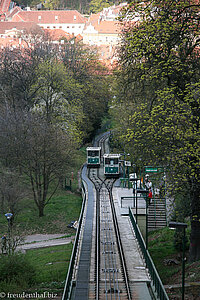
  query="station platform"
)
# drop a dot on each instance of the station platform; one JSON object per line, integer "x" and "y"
{"x": 138, "y": 274}
{"x": 139, "y": 278}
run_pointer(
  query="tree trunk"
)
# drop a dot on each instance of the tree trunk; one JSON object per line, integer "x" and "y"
{"x": 194, "y": 252}
{"x": 41, "y": 210}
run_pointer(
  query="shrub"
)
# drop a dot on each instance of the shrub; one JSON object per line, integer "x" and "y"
{"x": 16, "y": 271}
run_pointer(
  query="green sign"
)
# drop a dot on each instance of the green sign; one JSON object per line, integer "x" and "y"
{"x": 151, "y": 170}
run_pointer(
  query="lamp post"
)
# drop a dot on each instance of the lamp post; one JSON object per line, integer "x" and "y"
{"x": 145, "y": 192}
{"x": 183, "y": 226}
{"x": 8, "y": 217}
{"x": 124, "y": 154}
{"x": 133, "y": 179}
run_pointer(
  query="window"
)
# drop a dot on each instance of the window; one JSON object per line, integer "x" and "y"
{"x": 56, "y": 18}
{"x": 39, "y": 18}
{"x": 93, "y": 153}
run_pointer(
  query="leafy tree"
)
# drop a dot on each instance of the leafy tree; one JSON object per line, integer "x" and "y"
{"x": 94, "y": 81}
{"x": 160, "y": 78}
{"x": 58, "y": 96}
{"x": 51, "y": 4}
{"x": 98, "y": 5}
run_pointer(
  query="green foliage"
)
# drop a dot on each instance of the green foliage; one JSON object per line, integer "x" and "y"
{"x": 16, "y": 272}
{"x": 51, "y": 4}
{"x": 58, "y": 96}
{"x": 94, "y": 81}
{"x": 178, "y": 240}
{"x": 98, "y": 5}
{"x": 159, "y": 83}
{"x": 18, "y": 275}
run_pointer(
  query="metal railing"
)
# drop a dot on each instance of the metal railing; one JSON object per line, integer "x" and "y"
{"x": 157, "y": 283}
{"x": 68, "y": 283}
{"x": 132, "y": 199}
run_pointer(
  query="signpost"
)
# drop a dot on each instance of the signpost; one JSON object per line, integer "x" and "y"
{"x": 151, "y": 169}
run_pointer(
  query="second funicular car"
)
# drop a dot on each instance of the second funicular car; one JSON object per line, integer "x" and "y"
{"x": 111, "y": 165}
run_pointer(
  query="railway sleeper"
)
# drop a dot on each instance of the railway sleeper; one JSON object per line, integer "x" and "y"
{"x": 112, "y": 291}
{"x": 108, "y": 243}
{"x": 110, "y": 270}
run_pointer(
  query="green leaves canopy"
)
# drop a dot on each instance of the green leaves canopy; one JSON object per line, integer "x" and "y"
{"x": 160, "y": 81}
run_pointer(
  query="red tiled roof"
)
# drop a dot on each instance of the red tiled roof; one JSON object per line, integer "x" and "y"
{"x": 93, "y": 18}
{"x": 4, "y": 5}
{"x": 28, "y": 26}
{"x": 57, "y": 34}
{"x": 112, "y": 27}
{"x": 15, "y": 10}
{"x": 10, "y": 42}
{"x": 79, "y": 37}
{"x": 50, "y": 16}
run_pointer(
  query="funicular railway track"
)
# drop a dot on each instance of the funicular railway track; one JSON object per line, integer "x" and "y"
{"x": 111, "y": 278}
{"x": 98, "y": 268}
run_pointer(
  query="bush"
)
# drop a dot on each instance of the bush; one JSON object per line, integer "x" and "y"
{"x": 16, "y": 272}
{"x": 178, "y": 240}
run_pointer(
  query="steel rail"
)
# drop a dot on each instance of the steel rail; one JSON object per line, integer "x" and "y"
{"x": 99, "y": 183}
{"x": 120, "y": 248}
{"x": 109, "y": 253}
{"x": 109, "y": 260}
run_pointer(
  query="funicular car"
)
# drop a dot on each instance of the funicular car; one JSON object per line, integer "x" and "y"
{"x": 111, "y": 165}
{"x": 93, "y": 156}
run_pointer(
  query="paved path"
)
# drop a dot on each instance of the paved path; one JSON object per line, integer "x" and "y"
{"x": 44, "y": 240}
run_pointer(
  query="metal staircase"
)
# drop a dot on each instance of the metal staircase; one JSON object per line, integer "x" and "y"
{"x": 157, "y": 214}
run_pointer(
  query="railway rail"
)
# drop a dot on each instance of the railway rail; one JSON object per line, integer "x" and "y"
{"x": 111, "y": 278}
{"x": 98, "y": 268}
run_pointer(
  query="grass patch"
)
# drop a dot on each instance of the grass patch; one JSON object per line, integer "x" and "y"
{"x": 161, "y": 247}
{"x": 38, "y": 270}
{"x": 51, "y": 263}
{"x": 61, "y": 210}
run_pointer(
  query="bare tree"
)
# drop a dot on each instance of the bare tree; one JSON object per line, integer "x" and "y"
{"x": 12, "y": 191}
{"x": 40, "y": 150}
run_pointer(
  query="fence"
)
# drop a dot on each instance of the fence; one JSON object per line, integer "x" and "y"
{"x": 68, "y": 282}
{"x": 149, "y": 263}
